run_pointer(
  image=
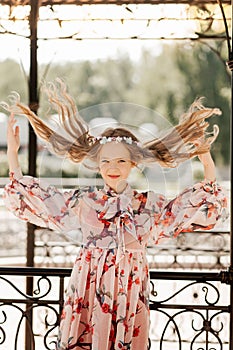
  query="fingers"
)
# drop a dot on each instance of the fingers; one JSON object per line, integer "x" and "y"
{"x": 12, "y": 119}
{"x": 13, "y": 135}
{"x": 11, "y": 123}
{"x": 16, "y": 131}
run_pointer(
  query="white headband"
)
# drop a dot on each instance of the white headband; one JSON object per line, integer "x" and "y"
{"x": 103, "y": 140}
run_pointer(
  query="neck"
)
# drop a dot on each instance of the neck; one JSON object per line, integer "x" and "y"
{"x": 120, "y": 187}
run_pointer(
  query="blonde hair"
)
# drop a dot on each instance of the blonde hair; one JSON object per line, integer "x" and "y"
{"x": 187, "y": 139}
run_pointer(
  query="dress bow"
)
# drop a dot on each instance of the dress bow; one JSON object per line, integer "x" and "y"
{"x": 118, "y": 210}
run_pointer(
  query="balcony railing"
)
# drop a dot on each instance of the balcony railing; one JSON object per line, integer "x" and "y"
{"x": 189, "y": 310}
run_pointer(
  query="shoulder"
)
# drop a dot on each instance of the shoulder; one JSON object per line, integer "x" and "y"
{"x": 77, "y": 193}
{"x": 94, "y": 197}
{"x": 150, "y": 198}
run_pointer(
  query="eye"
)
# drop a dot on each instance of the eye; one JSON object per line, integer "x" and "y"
{"x": 104, "y": 161}
{"x": 121, "y": 161}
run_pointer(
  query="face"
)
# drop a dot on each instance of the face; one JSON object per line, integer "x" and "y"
{"x": 115, "y": 165}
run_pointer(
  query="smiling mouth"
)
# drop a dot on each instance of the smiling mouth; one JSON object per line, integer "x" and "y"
{"x": 114, "y": 176}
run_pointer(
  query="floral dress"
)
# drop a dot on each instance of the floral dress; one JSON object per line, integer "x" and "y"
{"x": 107, "y": 298}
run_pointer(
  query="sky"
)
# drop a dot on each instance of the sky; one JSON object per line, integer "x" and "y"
{"x": 57, "y": 51}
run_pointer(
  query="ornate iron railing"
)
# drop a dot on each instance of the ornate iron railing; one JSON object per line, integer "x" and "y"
{"x": 189, "y": 310}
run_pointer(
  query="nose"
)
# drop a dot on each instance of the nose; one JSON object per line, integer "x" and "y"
{"x": 113, "y": 164}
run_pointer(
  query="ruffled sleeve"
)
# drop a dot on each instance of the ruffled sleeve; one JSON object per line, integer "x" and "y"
{"x": 34, "y": 201}
{"x": 197, "y": 208}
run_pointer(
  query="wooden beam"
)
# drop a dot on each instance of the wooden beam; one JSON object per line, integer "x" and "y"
{"x": 111, "y": 2}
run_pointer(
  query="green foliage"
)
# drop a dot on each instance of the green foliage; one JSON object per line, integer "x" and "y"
{"x": 12, "y": 79}
{"x": 206, "y": 75}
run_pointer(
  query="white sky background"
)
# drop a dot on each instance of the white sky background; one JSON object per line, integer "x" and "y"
{"x": 88, "y": 22}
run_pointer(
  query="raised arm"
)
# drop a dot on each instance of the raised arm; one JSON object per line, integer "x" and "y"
{"x": 33, "y": 200}
{"x": 209, "y": 166}
{"x": 13, "y": 143}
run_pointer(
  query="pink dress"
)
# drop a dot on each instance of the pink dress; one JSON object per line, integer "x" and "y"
{"x": 107, "y": 299}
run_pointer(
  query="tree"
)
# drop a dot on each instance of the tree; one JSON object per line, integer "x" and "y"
{"x": 12, "y": 79}
{"x": 206, "y": 75}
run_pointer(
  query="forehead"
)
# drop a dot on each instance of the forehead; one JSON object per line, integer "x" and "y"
{"x": 113, "y": 150}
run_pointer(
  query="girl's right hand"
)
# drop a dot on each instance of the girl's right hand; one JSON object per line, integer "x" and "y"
{"x": 13, "y": 140}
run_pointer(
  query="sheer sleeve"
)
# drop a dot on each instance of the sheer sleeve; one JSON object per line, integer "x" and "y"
{"x": 33, "y": 200}
{"x": 197, "y": 208}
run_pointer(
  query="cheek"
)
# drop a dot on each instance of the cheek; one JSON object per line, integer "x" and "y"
{"x": 127, "y": 170}
{"x": 102, "y": 171}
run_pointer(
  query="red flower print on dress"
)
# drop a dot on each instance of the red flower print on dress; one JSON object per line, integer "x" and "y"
{"x": 105, "y": 222}
{"x": 136, "y": 331}
{"x": 79, "y": 305}
{"x": 105, "y": 197}
{"x": 101, "y": 215}
{"x": 88, "y": 281}
{"x": 126, "y": 326}
{"x": 88, "y": 328}
{"x": 140, "y": 238}
{"x": 102, "y": 200}
{"x": 63, "y": 315}
{"x": 130, "y": 282}
{"x": 88, "y": 256}
{"x": 142, "y": 198}
{"x": 122, "y": 273}
{"x": 112, "y": 336}
{"x": 106, "y": 268}
{"x": 105, "y": 308}
{"x": 113, "y": 259}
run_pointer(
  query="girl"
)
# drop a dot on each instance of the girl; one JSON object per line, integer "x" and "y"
{"x": 107, "y": 299}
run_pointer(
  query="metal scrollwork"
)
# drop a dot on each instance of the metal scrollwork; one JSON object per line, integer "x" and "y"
{"x": 200, "y": 323}
{"x": 38, "y": 290}
{"x": 40, "y": 317}
{"x": 207, "y": 328}
{"x": 204, "y": 288}
{"x": 2, "y": 332}
{"x": 181, "y": 325}
{"x": 49, "y": 326}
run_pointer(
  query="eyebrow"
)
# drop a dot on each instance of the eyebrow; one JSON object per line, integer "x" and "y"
{"x": 107, "y": 158}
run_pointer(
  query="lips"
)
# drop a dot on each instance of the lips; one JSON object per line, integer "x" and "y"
{"x": 114, "y": 176}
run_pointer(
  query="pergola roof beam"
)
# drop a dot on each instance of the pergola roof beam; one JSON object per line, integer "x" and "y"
{"x": 106, "y": 2}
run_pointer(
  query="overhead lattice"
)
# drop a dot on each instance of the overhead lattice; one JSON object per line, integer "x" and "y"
{"x": 138, "y": 20}
{"x": 120, "y": 2}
